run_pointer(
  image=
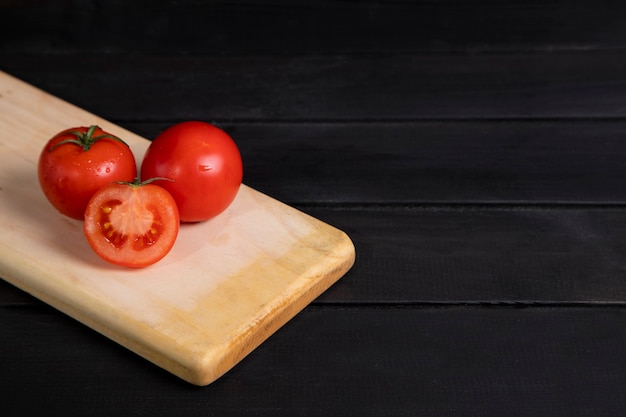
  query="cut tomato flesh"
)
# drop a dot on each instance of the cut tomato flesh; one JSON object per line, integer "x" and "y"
{"x": 131, "y": 225}
{"x": 119, "y": 223}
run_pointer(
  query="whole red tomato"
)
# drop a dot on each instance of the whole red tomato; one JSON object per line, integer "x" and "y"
{"x": 77, "y": 162}
{"x": 203, "y": 166}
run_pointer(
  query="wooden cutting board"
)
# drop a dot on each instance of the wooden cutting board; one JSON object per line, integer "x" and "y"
{"x": 226, "y": 286}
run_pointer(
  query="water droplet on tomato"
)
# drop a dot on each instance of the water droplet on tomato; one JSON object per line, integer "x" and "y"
{"x": 205, "y": 167}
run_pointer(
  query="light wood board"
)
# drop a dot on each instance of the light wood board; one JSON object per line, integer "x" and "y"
{"x": 227, "y": 284}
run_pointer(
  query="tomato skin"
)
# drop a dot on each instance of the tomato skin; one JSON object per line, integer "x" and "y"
{"x": 203, "y": 164}
{"x": 132, "y": 225}
{"x": 69, "y": 175}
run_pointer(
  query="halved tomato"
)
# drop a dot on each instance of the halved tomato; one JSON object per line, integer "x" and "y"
{"x": 131, "y": 224}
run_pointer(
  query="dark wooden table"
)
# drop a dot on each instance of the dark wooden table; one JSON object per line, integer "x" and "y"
{"x": 474, "y": 151}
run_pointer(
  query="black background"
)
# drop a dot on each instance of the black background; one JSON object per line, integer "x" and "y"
{"x": 474, "y": 151}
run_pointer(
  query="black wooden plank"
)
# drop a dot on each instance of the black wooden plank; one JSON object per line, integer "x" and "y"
{"x": 334, "y": 88}
{"x": 437, "y": 162}
{"x": 473, "y": 255}
{"x": 340, "y": 362}
{"x": 279, "y": 27}
{"x": 482, "y": 255}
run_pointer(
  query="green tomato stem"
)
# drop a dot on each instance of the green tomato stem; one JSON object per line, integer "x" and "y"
{"x": 138, "y": 183}
{"x": 86, "y": 139}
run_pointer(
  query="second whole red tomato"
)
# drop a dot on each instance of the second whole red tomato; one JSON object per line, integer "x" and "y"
{"x": 203, "y": 166}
